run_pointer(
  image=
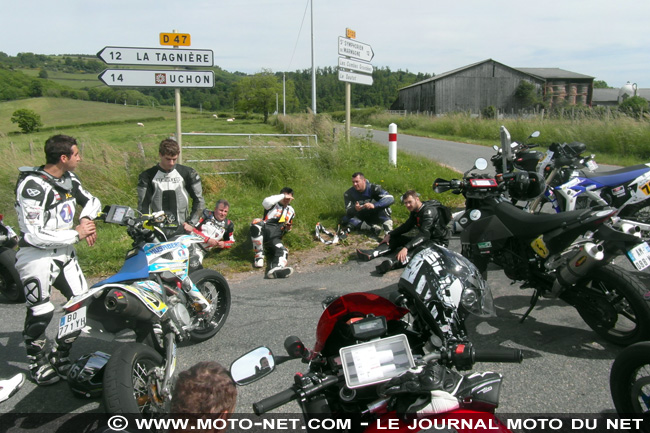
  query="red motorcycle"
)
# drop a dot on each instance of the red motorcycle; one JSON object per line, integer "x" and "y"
{"x": 379, "y": 364}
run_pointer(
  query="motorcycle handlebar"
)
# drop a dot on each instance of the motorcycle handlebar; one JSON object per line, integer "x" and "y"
{"x": 499, "y": 355}
{"x": 274, "y": 401}
{"x": 290, "y": 394}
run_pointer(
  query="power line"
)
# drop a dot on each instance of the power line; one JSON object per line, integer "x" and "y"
{"x": 298, "y": 38}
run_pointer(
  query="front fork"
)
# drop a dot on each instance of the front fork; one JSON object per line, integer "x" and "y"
{"x": 165, "y": 379}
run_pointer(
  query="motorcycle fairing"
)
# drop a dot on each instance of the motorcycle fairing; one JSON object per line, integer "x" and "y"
{"x": 135, "y": 267}
{"x": 168, "y": 256}
{"x": 354, "y": 305}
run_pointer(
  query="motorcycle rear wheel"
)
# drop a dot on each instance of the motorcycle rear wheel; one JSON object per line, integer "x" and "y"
{"x": 629, "y": 381}
{"x": 10, "y": 284}
{"x": 637, "y": 212}
{"x": 128, "y": 381}
{"x": 611, "y": 301}
{"x": 216, "y": 290}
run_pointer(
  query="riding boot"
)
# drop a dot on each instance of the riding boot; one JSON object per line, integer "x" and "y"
{"x": 40, "y": 368}
{"x": 367, "y": 255}
{"x": 59, "y": 356}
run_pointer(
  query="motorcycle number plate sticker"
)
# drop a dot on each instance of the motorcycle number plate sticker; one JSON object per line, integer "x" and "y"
{"x": 72, "y": 322}
{"x": 376, "y": 361}
{"x": 640, "y": 256}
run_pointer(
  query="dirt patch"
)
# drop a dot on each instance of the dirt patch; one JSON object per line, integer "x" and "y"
{"x": 320, "y": 255}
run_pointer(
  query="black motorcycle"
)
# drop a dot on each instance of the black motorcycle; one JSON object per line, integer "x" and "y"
{"x": 566, "y": 255}
{"x": 10, "y": 285}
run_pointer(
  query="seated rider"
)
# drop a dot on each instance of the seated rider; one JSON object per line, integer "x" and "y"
{"x": 430, "y": 218}
{"x": 216, "y": 229}
{"x": 367, "y": 206}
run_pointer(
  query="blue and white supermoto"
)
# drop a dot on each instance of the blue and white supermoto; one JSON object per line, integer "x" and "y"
{"x": 154, "y": 295}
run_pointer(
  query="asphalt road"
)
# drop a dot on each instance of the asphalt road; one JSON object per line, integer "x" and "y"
{"x": 565, "y": 371}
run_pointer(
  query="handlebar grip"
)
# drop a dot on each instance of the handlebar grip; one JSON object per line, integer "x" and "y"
{"x": 498, "y": 355}
{"x": 274, "y": 401}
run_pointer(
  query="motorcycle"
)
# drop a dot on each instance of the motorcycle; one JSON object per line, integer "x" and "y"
{"x": 365, "y": 341}
{"x": 154, "y": 295}
{"x": 566, "y": 255}
{"x": 629, "y": 382}
{"x": 572, "y": 182}
{"x": 10, "y": 285}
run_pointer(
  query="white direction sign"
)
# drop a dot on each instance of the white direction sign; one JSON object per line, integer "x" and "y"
{"x": 156, "y": 56}
{"x": 355, "y": 49}
{"x": 353, "y": 77}
{"x": 355, "y": 65}
{"x": 149, "y": 78}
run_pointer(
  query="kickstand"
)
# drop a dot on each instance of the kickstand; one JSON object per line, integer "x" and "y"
{"x": 533, "y": 301}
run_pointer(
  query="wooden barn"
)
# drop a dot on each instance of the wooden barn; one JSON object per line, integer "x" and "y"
{"x": 475, "y": 87}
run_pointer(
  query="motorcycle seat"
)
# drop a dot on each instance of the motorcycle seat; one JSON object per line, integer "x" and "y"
{"x": 618, "y": 177}
{"x": 526, "y": 225}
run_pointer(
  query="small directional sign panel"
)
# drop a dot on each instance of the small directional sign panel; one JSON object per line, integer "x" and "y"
{"x": 156, "y": 56}
{"x": 152, "y": 78}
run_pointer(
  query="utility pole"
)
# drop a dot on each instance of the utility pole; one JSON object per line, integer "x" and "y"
{"x": 313, "y": 64}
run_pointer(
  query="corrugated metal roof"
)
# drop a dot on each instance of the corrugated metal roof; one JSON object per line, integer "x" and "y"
{"x": 552, "y": 73}
{"x": 543, "y": 73}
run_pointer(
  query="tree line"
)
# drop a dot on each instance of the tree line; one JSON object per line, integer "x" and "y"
{"x": 233, "y": 91}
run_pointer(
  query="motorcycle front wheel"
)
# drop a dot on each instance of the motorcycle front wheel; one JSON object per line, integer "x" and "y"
{"x": 216, "y": 290}
{"x": 129, "y": 382}
{"x": 629, "y": 380}
{"x": 611, "y": 301}
{"x": 10, "y": 284}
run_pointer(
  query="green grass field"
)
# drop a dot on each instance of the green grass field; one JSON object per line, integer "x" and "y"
{"x": 73, "y": 80}
{"x": 56, "y": 112}
{"x": 114, "y": 154}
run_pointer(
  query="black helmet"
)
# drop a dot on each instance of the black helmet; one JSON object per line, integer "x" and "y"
{"x": 526, "y": 185}
{"x": 86, "y": 374}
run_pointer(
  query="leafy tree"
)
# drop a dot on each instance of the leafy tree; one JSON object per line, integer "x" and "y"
{"x": 526, "y": 94}
{"x": 43, "y": 74}
{"x": 634, "y": 106}
{"x": 600, "y": 84}
{"x": 257, "y": 93}
{"x": 27, "y": 120}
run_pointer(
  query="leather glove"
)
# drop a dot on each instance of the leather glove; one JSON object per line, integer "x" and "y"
{"x": 423, "y": 390}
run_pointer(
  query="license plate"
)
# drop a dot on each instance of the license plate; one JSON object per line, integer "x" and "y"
{"x": 592, "y": 165}
{"x": 640, "y": 256}
{"x": 72, "y": 322}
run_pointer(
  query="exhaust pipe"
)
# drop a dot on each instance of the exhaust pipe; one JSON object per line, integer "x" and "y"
{"x": 588, "y": 256}
{"x": 122, "y": 302}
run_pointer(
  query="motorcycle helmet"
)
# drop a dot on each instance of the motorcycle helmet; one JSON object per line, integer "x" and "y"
{"x": 86, "y": 375}
{"x": 440, "y": 275}
{"x": 526, "y": 185}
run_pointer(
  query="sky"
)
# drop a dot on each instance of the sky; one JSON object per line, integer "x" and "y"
{"x": 605, "y": 39}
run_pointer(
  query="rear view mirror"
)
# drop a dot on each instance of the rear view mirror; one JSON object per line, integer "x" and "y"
{"x": 252, "y": 366}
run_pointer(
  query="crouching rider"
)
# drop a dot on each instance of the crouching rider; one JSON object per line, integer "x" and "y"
{"x": 267, "y": 233}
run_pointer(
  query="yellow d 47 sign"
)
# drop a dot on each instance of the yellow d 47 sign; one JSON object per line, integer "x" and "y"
{"x": 177, "y": 39}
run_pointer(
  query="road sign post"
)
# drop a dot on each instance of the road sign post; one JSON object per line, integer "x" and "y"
{"x": 171, "y": 57}
{"x": 353, "y": 68}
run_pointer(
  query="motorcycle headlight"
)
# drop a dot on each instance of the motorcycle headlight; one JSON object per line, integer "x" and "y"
{"x": 478, "y": 301}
